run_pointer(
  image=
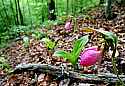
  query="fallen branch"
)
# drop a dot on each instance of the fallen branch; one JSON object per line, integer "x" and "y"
{"x": 56, "y": 71}
{"x": 43, "y": 68}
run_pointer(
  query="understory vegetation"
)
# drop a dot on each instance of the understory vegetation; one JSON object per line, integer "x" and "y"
{"x": 62, "y": 42}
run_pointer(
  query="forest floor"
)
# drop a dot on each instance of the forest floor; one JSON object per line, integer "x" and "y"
{"x": 38, "y": 53}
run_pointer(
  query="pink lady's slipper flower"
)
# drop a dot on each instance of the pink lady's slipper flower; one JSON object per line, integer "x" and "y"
{"x": 90, "y": 56}
{"x": 68, "y": 26}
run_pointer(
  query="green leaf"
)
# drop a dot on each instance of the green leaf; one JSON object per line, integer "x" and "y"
{"x": 110, "y": 35}
{"x": 110, "y": 38}
{"x": 62, "y": 53}
{"x": 79, "y": 44}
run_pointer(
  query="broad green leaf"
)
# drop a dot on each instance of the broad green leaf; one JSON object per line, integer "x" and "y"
{"x": 65, "y": 55}
{"x": 62, "y": 53}
{"x": 79, "y": 44}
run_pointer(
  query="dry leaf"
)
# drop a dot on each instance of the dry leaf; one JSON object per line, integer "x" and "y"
{"x": 88, "y": 30}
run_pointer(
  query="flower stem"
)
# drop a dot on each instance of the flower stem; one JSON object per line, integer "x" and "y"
{"x": 114, "y": 66}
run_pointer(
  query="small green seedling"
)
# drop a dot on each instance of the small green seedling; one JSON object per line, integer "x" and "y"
{"x": 49, "y": 44}
{"x": 4, "y": 64}
{"x": 78, "y": 45}
{"x": 38, "y": 35}
{"x": 26, "y": 41}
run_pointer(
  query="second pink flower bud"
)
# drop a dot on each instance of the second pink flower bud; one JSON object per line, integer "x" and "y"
{"x": 68, "y": 26}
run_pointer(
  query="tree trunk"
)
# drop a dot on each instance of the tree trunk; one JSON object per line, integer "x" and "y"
{"x": 108, "y": 9}
{"x": 14, "y": 17}
{"x": 75, "y": 6}
{"x": 101, "y": 2}
{"x": 51, "y": 10}
{"x": 81, "y": 6}
{"x": 43, "y": 18}
{"x": 17, "y": 19}
{"x": 2, "y": 22}
{"x": 123, "y": 2}
{"x": 30, "y": 13}
{"x": 6, "y": 14}
{"x": 56, "y": 7}
{"x": 67, "y": 9}
{"x": 20, "y": 13}
{"x": 72, "y": 6}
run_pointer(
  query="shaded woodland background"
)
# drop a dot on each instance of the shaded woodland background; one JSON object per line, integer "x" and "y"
{"x": 23, "y": 15}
